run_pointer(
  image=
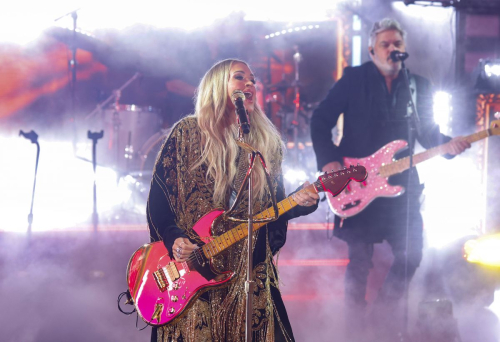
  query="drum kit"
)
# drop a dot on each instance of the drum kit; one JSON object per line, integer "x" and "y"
{"x": 293, "y": 113}
{"x": 132, "y": 134}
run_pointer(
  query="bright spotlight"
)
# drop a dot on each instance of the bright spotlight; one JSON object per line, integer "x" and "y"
{"x": 487, "y": 76}
{"x": 492, "y": 69}
{"x": 295, "y": 176}
{"x": 442, "y": 110}
{"x": 484, "y": 250}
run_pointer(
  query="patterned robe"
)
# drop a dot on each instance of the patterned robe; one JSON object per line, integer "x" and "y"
{"x": 178, "y": 198}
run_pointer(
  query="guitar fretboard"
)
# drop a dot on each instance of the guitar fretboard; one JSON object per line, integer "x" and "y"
{"x": 404, "y": 163}
{"x": 229, "y": 238}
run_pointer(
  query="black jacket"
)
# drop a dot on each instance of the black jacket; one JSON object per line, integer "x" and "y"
{"x": 373, "y": 118}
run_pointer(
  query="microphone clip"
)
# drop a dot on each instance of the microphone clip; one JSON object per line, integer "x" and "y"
{"x": 31, "y": 135}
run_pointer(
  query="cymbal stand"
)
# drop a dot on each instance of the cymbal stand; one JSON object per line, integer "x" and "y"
{"x": 111, "y": 97}
{"x": 33, "y": 137}
{"x": 116, "y": 128}
{"x": 297, "y": 58}
{"x": 72, "y": 66}
{"x": 95, "y": 136}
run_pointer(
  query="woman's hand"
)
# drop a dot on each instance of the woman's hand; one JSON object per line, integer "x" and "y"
{"x": 182, "y": 249}
{"x": 305, "y": 198}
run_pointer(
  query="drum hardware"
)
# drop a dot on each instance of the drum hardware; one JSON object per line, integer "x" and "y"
{"x": 101, "y": 105}
{"x": 72, "y": 65}
{"x": 129, "y": 126}
{"x": 94, "y": 136}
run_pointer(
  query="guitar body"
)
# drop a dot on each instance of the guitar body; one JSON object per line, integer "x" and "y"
{"x": 163, "y": 289}
{"x": 357, "y": 196}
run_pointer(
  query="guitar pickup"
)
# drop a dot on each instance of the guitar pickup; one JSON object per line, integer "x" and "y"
{"x": 172, "y": 271}
{"x": 351, "y": 205}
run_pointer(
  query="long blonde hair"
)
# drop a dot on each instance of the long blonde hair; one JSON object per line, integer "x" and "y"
{"x": 219, "y": 133}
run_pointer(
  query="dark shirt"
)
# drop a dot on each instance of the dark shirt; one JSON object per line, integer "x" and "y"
{"x": 374, "y": 117}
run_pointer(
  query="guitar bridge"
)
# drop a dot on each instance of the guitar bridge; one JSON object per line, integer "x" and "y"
{"x": 161, "y": 280}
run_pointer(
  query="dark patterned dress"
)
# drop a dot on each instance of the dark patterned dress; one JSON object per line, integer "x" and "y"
{"x": 179, "y": 197}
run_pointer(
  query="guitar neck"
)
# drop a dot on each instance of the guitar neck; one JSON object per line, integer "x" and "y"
{"x": 404, "y": 163}
{"x": 229, "y": 238}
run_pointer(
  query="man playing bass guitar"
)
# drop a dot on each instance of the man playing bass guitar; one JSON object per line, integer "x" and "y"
{"x": 374, "y": 100}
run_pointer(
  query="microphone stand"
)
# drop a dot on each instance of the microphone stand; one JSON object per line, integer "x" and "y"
{"x": 249, "y": 284}
{"x": 33, "y": 137}
{"x": 413, "y": 121}
{"x": 95, "y": 136}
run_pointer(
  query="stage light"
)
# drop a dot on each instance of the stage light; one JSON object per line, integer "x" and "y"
{"x": 295, "y": 176}
{"x": 492, "y": 69}
{"x": 487, "y": 76}
{"x": 447, "y": 217}
{"x": 290, "y": 30}
{"x": 442, "y": 110}
{"x": 484, "y": 250}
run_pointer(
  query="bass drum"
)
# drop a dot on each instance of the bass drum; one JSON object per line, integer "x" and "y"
{"x": 126, "y": 129}
{"x": 149, "y": 152}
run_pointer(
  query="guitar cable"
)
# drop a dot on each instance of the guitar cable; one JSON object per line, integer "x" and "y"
{"x": 130, "y": 301}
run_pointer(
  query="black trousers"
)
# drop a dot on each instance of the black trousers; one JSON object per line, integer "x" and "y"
{"x": 385, "y": 312}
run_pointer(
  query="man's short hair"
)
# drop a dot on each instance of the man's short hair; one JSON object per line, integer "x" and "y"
{"x": 383, "y": 25}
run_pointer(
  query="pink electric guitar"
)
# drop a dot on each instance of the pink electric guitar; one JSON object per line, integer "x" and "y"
{"x": 163, "y": 289}
{"x": 380, "y": 166}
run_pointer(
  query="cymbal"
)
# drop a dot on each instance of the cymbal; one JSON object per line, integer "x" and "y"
{"x": 282, "y": 86}
{"x": 82, "y": 41}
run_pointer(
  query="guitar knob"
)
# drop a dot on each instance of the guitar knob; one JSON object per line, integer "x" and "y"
{"x": 174, "y": 299}
{"x": 171, "y": 311}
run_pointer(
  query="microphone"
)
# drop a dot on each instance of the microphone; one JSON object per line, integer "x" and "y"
{"x": 238, "y": 97}
{"x": 30, "y": 136}
{"x": 397, "y": 56}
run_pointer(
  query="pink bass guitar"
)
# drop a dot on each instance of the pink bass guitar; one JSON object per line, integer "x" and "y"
{"x": 380, "y": 166}
{"x": 163, "y": 290}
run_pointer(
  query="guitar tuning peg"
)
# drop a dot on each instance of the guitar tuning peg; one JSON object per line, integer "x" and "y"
{"x": 345, "y": 167}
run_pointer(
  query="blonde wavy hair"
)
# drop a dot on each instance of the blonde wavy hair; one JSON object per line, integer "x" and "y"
{"x": 219, "y": 133}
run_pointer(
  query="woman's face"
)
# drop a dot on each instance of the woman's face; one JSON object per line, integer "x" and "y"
{"x": 241, "y": 78}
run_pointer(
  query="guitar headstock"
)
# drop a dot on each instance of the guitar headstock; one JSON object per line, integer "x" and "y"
{"x": 334, "y": 182}
{"x": 495, "y": 127}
